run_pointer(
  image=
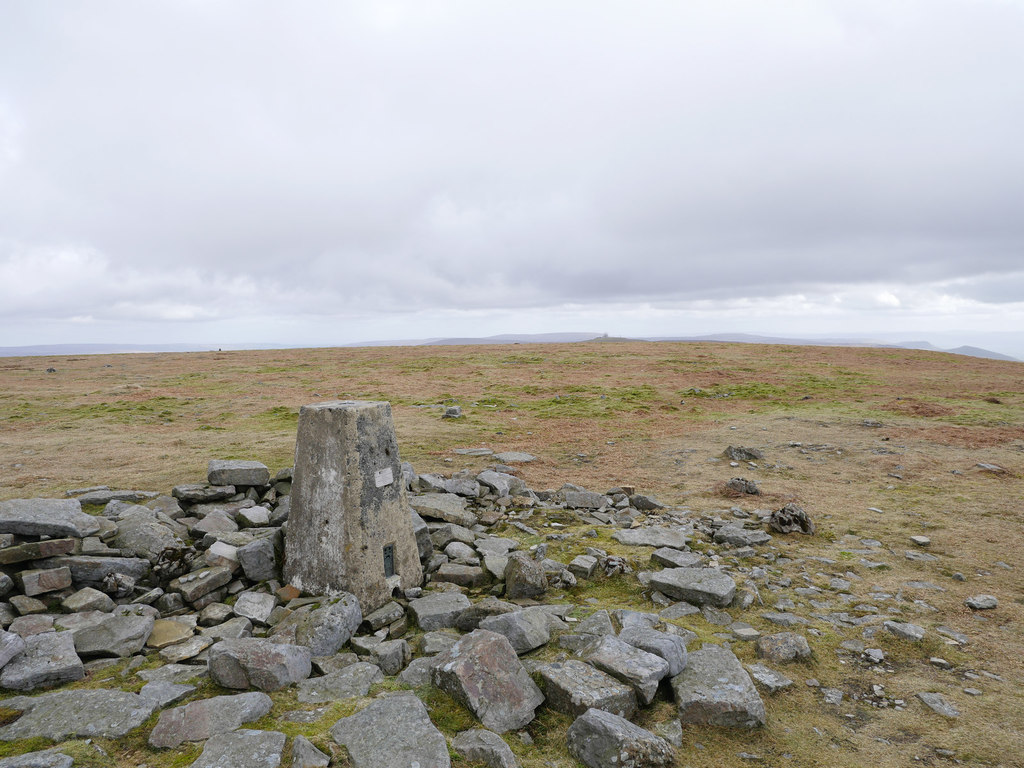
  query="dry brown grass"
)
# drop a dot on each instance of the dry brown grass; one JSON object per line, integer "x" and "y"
{"x": 604, "y": 414}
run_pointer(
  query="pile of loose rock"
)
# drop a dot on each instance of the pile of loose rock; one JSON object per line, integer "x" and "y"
{"x": 193, "y": 580}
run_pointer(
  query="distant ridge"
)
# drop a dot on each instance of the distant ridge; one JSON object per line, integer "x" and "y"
{"x": 42, "y": 350}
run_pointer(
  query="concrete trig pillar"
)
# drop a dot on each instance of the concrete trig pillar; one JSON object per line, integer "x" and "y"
{"x": 349, "y": 528}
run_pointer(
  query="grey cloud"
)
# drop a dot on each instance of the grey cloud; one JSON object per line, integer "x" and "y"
{"x": 385, "y": 157}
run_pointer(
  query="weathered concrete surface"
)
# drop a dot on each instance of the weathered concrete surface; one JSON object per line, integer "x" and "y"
{"x": 348, "y": 503}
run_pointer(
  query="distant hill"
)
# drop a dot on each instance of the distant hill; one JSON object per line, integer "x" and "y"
{"x": 43, "y": 350}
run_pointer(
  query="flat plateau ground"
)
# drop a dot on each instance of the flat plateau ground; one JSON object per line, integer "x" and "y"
{"x": 844, "y": 431}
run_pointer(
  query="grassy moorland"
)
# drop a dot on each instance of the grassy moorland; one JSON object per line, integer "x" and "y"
{"x": 845, "y": 432}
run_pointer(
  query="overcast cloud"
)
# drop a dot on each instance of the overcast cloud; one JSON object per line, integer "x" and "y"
{"x": 328, "y": 172}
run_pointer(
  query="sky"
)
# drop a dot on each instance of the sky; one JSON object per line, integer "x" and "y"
{"x": 328, "y": 172}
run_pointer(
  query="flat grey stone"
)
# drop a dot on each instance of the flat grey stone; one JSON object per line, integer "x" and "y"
{"x": 443, "y": 506}
{"x": 438, "y": 610}
{"x": 62, "y": 715}
{"x": 173, "y": 673}
{"x": 235, "y": 472}
{"x": 48, "y": 659}
{"x": 639, "y": 669}
{"x": 525, "y": 630}
{"x": 514, "y": 457}
{"x": 354, "y": 680}
{"x": 118, "y": 636}
{"x": 483, "y": 671}
{"x": 783, "y": 646}
{"x": 47, "y": 758}
{"x": 306, "y": 755}
{"x": 672, "y": 648}
{"x": 252, "y": 662}
{"x": 55, "y": 518}
{"x": 738, "y": 536}
{"x": 483, "y": 746}
{"x": 573, "y": 687}
{"x": 524, "y": 577}
{"x": 600, "y": 739}
{"x": 905, "y": 630}
{"x": 981, "y": 602}
{"x": 938, "y": 703}
{"x": 259, "y": 559}
{"x": 768, "y": 678}
{"x": 408, "y": 739}
{"x": 674, "y": 558}
{"x": 419, "y": 672}
{"x": 700, "y": 586}
{"x": 199, "y": 720}
{"x": 255, "y": 606}
{"x": 162, "y": 693}
{"x": 325, "y": 630}
{"x": 714, "y": 689}
{"x": 784, "y": 619}
{"x": 244, "y": 747}
{"x": 652, "y": 536}
{"x": 90, "y": 571}
{"x": 10, "y": 646}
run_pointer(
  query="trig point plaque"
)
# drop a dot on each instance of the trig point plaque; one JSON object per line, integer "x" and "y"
{"x": 349, "y": 529}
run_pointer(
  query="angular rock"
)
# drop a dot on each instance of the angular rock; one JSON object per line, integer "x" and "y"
{"x": 672, "y": 648}
{"x": 738, "y": 536}
{"x": 162, "y": 693}
{"x": 443, "y": 506}
{"x": 469, "y": 576}
{"x": 62, "y": 715}
{"x": 940, "y": 704}
{"x": 40, "y": 581}
{"x": 167, "y": 632}
{"x": 483, "y": 746}
{"x": 141, "y": 535}
{"x": 87, "y": 599}
{"x": 791, "y": 519}
{"x": 654, "y": 536}
{"x": 700, "y": 586}
{"x": 714, "y": 689}
{"x": 977, "y": 602}
{"x": 525, "y": 630}
{"x": 306, "y": 755}
{"x": 36, "y": 550}
{"x": 255, "y": 606}
{"x": 189, "y": 649}
{"x": 47, "y": 758}
{"x": 354, "y": 680}
{"x": 48, "y": 659}
{"x": 483, "y": 671}
{"x": 385, "y": 615}
{"x": 55, "y": 518}
{"x": 259, "y": 559}
{"x": 200, "y": 493}
{"x": 234, "y": 472}
{"x": 89, "y": 571}
{"x": 583, "y": 566}
{"x": 783, "y": 646}
{"x": 409, "y": 739}
{"x": 573, "y": 687}
{"x": 768, "y": 678}
{"x": 674, "y": 558}
{"x": 634, "y": 667}
{"x": 243, "y": 747}
{"x": 117, "y": 636}
{"x": 252, "y": 662}
{"x": 326, "y": 629}
{"x": 438, "y": 610}
{"x": 524, "y": 577}
{"x": 905, "y": 630}
{"x": 10, "y": 646}
{"x": 204, "y": 718}
{"x": 600, "y": 739}
{"x": 196, "y": 584}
